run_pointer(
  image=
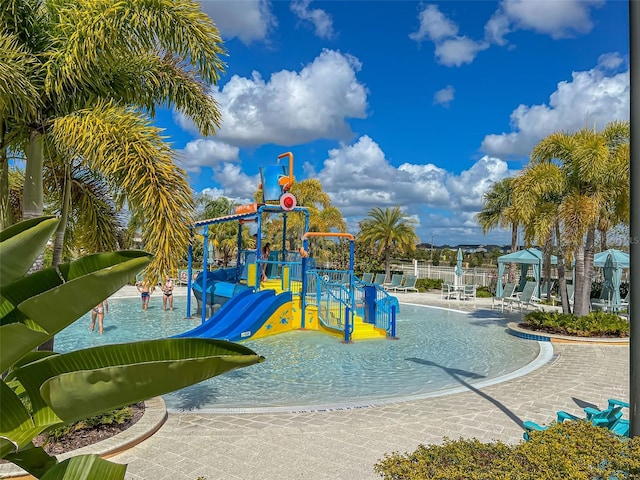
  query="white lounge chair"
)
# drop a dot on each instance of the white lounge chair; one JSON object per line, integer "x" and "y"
{"x": 409, "y": 285}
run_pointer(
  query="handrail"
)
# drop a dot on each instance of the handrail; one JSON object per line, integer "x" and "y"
{"x": 290, "y": 155}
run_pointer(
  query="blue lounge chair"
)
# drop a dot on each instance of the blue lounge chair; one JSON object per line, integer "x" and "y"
{"x": 396, "y": 281}
{"x": 379, "y": 279}
{"x": 409, "y": 285}
{"x": 507, "y": 292}
{"x": 610, "y": 417}
{"x": 367, "y": 277}
{"x": 526, "y": 298}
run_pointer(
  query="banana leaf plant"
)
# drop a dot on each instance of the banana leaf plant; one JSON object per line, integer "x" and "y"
{"x": 43, "y": 390}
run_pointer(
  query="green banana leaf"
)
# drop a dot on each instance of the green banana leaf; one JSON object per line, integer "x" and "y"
{"x": 20, "y": 245}
{"x": 41, "y": 294}
{"x": 17, "y": 428}
{"x": 14, "y": 339}
{"x": 86, "y": 467}
{"x": 33, "y": 459}
{"x": 77, "y": 385}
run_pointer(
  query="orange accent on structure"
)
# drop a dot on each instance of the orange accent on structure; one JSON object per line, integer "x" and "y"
{"x": 285, "y": 182}
{"x": 328, "y": 234}
{"x": 247, "y": 208}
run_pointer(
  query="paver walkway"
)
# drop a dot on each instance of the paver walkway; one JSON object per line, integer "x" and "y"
{"x": 345, "y": 444}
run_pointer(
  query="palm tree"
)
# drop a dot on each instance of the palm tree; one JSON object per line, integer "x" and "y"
{"x": 595, "y": 167}
{"x": 388, "y": 230}
{"x": 495, "y": 213}
{"x": 537, "y": 194}
{"x": 99, "y": 69}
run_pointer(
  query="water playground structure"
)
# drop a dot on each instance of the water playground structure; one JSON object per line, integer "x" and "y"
{"x": 236, "y": 305}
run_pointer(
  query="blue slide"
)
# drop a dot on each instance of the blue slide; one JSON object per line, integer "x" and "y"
{"x": 242, "y": 319}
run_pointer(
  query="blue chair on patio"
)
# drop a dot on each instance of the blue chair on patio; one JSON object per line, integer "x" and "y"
{"x": 610, "y": 418}
{"x": 507, "y": 292}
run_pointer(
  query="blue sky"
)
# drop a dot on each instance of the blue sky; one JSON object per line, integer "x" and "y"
{"x": 417, "y": 104}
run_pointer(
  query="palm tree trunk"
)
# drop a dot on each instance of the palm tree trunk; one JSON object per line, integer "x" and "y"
{"x": 580, "y": 307}
{"x": 546, "y": 265}
{"x": 387, "y": 265}
{"x": 562, "y": 280}
{"x": 5, "y": 206}
{"x": 513, "y": 268}
{"x": 58, "y": 243}
{"x": 33, "y": 194}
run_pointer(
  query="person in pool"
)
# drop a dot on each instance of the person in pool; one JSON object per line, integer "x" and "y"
{"x": 167, "y": 290}
{"x": 98, "y": 314}
{"x": 145, "y": 290}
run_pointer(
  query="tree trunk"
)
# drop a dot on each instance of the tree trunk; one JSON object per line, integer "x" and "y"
{"x": 32, "y": 205}
{"x": 58, "y": 244}
{"x": 562, "y": 280}
{"x": 546, "y": 263}
{"x": 387, "y": 265}
{"x": 513, "y": 268}
{"x": 580, "y": 307}
{"x": 5, "y": 205}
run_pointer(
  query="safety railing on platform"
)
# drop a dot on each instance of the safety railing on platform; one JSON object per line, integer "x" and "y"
{"x": 333, "y": 301}
{"x": 381, "y": 310}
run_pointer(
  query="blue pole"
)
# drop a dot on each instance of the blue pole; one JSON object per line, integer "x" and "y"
{"x": 284, "y": 238}
{"x": 393, "y": 321}
{"x": 239, "y": 250}
{"x": 189, "y": 271}
{"x": 347, "y": 334}
{"x": 303, "y": 292}
{"x": 259, "y": 249}
{"x": 204, "y": 273}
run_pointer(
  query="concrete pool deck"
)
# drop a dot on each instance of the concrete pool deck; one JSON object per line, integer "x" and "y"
{"x": 344, "y": 444}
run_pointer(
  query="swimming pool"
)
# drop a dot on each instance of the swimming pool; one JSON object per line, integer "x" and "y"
{"x": 439, "y": 351}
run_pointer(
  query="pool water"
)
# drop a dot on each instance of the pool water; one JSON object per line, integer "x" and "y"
{"x": 437, "y": 350}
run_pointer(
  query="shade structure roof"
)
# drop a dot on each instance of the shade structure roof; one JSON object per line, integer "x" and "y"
{"x": 531, "y": 256}
{"x": 618, "y": 256}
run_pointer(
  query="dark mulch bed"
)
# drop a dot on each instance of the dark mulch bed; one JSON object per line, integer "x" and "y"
{"x": 89, "y": 436}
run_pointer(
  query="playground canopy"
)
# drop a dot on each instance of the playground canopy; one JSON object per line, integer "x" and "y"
{"x": 529, "y": 257}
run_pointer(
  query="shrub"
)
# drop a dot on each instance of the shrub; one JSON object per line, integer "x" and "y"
{"x": 483, "y": 292}
{"x": 426, "y": 284}
{"x": 595, "y": 324}
{"x": 570, "y": 450}
{"x": 117, "y": 416}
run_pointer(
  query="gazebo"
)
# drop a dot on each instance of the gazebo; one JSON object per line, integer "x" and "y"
{"x": 531, "y": 257}
{"x": 620, "y": 261}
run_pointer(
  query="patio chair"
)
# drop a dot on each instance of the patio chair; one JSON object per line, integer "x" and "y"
{"x": 409, "y": 285}
{"x": 570, "y": 292}
{"x": 367, "y": 277}
{"x": 448, "y": 290}
{"x": 507, "y": 292}
{"x": 469, "y": 292}
{"x": 610, "y": 417}
{"x": 526, "y": 297}
{"x": 379, "y": 279}
{"x": 545, "y": 288}
{"x": 396, "y": 281}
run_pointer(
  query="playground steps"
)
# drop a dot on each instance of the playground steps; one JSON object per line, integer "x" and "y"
{"x": 365, "y": 331}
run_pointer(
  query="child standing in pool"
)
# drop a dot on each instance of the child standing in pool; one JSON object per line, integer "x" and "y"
{"x": 145, "y": 290}
{"x": 167, "y": 290}
{"x": 98, "y": 313}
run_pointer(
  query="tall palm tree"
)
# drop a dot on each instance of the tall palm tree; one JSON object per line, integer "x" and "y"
{"x": 495, "y": 213}
{"x": 595, "y": 166}
{"x": 100, "y": 67}
{"x": 389, "y": 231}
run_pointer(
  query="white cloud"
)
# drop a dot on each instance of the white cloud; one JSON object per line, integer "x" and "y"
{"x": 359, "y": 177}
{"x": 434, "y": 25}
{"x": 451, "y": 49}
{"x": 248, "y": 20}
{"x": 558, "y": 19}
{"x": 292, "y": 107}
{"x": 453, "y": 52}
{"x": 591, "y": 97}
{"x": 206, "y": 153}
{"x": 444, "y": 97}
{"x": 237, "y": 185}
{"x": 321, "y": 20}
